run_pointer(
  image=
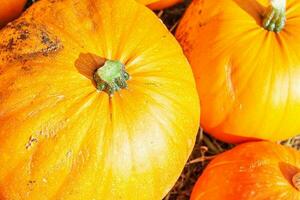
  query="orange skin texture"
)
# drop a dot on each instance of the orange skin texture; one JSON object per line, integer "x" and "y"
{"x": 161, "y": 4}
{"x": 247, "y": 78}
{"x": 60, "y": 138}
{"x": 10, "y": 10}
{"x": 250, "y": 171}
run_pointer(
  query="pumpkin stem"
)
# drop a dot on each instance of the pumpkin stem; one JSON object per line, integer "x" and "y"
{"x": 274, "y": 18}
{"x": 296, "y": 181}
{"x": 111, "y": 77}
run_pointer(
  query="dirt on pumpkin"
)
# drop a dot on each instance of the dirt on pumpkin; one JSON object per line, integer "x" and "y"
{"x": 206, "y": 147}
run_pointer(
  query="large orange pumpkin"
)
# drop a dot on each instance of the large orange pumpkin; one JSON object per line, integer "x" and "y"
{"x": 247, "y": 77}
{"x": 159, "y": 4}
{"x": 97, "y": 101}
{"x": 10, "y": 10}
{"x": 251, "y": 171}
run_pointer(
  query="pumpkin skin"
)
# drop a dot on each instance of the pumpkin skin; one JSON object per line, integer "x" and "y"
{"x": 10, "y": 10}
{"x": 247, "y": 78}
{"x": 60, "y": 138}
{"x": 161, "y": 4}
{"x": 250, "y": 171}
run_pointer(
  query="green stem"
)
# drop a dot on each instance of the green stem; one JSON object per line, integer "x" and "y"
{"x": 274, "y": 18}
{"x": 111, "y": 77}
{"x": 296, "y": 181}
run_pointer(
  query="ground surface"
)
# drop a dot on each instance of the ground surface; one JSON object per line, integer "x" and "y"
{"x": 206, "y": 147}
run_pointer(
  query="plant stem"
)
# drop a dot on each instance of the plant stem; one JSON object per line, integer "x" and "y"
{"x": 296, "y": 181}
{"x": 274, "y": 18}
{"x": 111, "y": 77}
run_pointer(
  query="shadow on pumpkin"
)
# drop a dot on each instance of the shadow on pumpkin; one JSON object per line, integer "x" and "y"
{"x": 253, "y": 8}
{"x": 288, "y": 171}
{"x": 2, "y": 196}
{"x": 87, "y": 63}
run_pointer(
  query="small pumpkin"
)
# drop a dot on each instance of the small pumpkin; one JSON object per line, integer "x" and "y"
{"x": 251, "y": 171}
{"x": 10, "y": 10}
{"x": 246, "y": 65}
{"x": 97, "y": 101}
{"x": 160, "y": 4}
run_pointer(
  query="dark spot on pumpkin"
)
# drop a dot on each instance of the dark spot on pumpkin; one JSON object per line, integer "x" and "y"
{"x": 52, "y": 45}
{"x": 22, "y": 24}
{"x": 18, "y": 26}
{"x": 26, "y": 68}
{"x": 30, "y": 142}
{"x": 35, "y": 37}
{"x": 10, "y": 44}
{"x": 201, "y": 24}
{"x": 199, "y": 12}
{"x": 24, "y": 34}
{"x": 31, "y": 184}
{"x": 45, "y": 38}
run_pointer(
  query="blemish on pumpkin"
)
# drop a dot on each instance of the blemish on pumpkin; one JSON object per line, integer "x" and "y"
{"x": 20, "y": 29}
{"x": 67, "y": 161}
{"x": 21, "y": 25}
{"x": 24, "y": 34}
{"x": 153, "y": 84}
{"x": 45, "y": 38}
{"x": 26, "y": 68}
{"x": 31, "y": 184}
{"x": 30, "y": 142}
{"x": 50, "y": 129}
{"x": 51, "y": 45}
{"x": 10, "y": 44}
{"x": 17, "y": 25}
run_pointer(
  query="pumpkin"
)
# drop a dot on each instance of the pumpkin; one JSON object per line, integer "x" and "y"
{"x": 247, "y": 69}
{"x": 251, "y": 171}
{"x": 160, "y": 4}
{"x": 97, "y": 101}
{"x": 10, "y": 10}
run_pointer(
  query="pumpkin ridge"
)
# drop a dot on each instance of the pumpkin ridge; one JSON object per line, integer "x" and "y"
{"x": 162, "y": 122}
{"x": 131, "y": 136}
{"x": 65, "y": 161}
{"x": 40, "y": 100}
{"x": 41, "y": 137}
{"x": 76, "y": 161}
{"x": 126, "y": 34}
{"x": 154, "y": 46}
{"x": 150, "y": 93}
